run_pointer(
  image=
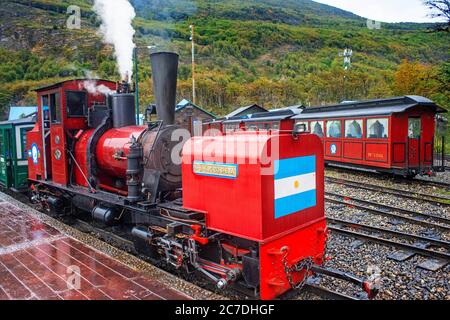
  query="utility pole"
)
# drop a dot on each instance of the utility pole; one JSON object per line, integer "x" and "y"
{"x": 136, "y": 83}
{"x": 347, "y": 54}
{"x": 136, "y": 78}
{"x": 192, "y": 28}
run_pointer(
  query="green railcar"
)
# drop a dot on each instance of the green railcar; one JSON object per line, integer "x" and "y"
{"x": 14, "y": 153}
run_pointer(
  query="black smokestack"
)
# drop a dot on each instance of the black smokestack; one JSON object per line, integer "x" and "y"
{"x": 164, "y": 73}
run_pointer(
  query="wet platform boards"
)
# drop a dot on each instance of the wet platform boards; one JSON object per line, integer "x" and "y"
{"x": 39, "y": 262}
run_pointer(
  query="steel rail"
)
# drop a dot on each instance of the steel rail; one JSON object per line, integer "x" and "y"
{"x": 399, "y": 234}
{"x": 437, "y": 184}
{"x": 409, "y": 247}
{"x": 397, "y": 192}
{"x": 327, "y": 293}
{"x": 384, "y": 206}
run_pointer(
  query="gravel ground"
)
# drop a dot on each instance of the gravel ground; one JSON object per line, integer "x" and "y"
{"x": 390, "y": 200}
{"x": 401, "y": 280}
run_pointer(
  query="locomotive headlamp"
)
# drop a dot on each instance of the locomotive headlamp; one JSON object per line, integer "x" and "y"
{"x": 300, "y": 128}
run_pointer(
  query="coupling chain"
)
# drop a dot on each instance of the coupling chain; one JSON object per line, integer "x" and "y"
{"x": 304, "y": 264}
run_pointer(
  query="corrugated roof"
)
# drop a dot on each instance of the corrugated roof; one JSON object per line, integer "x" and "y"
{"x": 31, "y": 119}
{"x": 277, "y": 115}
{"x": 243, "y": 109}
{"x": 18, "y": 112}
{"x": 184, "y": 103}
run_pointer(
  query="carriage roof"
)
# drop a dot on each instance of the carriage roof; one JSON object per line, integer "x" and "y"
{"x": 379, "y": 107}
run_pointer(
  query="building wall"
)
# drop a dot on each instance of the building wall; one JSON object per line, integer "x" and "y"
{"x": 181, "y": 117}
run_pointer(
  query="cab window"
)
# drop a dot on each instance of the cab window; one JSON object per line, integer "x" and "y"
{"x": 378, "y": 128}
{"x": 76, "y": 103}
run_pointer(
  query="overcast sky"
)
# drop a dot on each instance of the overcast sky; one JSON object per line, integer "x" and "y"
{"x": 384, "y": 10}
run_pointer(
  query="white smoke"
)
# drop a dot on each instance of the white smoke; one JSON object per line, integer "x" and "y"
{"x": 92, "y": 87}
{"x": 116, "y": 29}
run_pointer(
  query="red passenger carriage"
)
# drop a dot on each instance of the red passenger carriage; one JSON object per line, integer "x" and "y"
{"x": 394, "y": 135}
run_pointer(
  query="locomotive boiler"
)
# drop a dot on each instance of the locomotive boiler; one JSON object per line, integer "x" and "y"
{"x": 245, "y": 210}
{"x": 119, "y": 156}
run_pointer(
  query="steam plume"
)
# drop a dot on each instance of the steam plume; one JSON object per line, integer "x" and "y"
{"x": 92, "y": 87}
{"x": 116, "y": 29}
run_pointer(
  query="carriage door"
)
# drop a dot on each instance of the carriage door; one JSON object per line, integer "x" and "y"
{"x": 414, "y": 130}
{"x": 5, "y": 158}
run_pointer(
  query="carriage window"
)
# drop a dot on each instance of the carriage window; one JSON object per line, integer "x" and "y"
{"x": 264, "y": 126}
{"x": 231, "y": 127}
{"x": 76, "y": 103}
{"x": 414, "y": 128}
{"x": 353, "y": 129}
{"x": 378, "y": 128}
{"x": 317, "y": 128}
{"x": 334, "y": 129}
{"x": 251, "y": 126}
{"x": 276, "y": 125}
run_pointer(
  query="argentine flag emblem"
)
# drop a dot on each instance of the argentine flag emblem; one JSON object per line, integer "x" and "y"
{"x": 295, "y": 185}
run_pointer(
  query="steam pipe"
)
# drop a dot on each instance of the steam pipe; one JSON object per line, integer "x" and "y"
{"x": 164, "y": 73}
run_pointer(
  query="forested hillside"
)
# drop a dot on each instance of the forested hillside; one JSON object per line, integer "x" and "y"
{"x": 271, "y": 52}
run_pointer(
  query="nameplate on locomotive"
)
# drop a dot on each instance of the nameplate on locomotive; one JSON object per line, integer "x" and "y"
{"x": 218, "y": 170}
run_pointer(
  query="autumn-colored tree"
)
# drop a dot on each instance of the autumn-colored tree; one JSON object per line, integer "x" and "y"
{"x": 413, "y": 78}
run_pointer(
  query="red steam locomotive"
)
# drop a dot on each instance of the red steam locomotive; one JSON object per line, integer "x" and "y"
{"x": 245, "y": 209}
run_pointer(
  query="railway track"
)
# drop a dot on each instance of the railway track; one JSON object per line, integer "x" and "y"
{"x": 426, "y": 220}
{"x": 327, "y": 293}
{"x": 380, "y": 235}
{"x": 434, "y": 199}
